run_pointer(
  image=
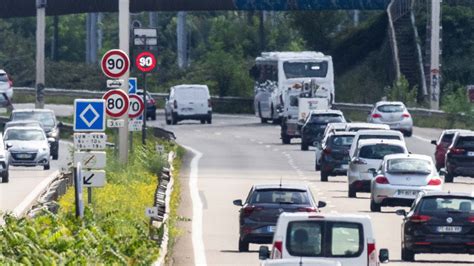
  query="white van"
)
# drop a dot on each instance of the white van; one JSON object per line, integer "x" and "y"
{"x": 188, "y": 102}
{"x": 347, "y": 239}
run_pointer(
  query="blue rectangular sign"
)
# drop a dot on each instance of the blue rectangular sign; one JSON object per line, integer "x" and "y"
{"x": 132, "y": 86}
{"x": 89, "y": 115}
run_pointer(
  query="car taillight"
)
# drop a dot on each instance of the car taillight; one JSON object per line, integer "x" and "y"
{"x": 209, "y": 103}
{"x": 434, "y": 182}
{"x": 471, "y": 219}
{"x": 371, "y": 254}
{"x": 277, "y": 250}
{"x": 381, "y": 180}
{"x": 456, "y": 151}
{"x": 307, "y": 209}
{"x": 419, "y": 218}
{"x": 327, "y": 151}
{"x": 376, "y": 115}
{"x": 405, "y": 115}
{"x": 10, "y": 82}
{"x": 175, "y": 104}
{"x": 247, "y": 211}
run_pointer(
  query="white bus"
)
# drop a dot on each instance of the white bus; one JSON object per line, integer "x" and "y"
{"x": 275, "y": 72}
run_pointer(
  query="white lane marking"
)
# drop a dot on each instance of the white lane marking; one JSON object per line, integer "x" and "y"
{"x": 34, "y": 194}
{"x": 252, "y": 140}
{"x": 218, "y": 133}
{"x": 260, "y": 142}
{"x": 275, "y": 149}
{"x": 197, "y": 238}
{"x": 268, "y": 146}
{"x": 333, "y": 211}
{"x": 421, "y": 138}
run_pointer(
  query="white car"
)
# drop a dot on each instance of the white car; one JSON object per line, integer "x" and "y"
{"x": 4, "y": 164}
{"x": 400, "y": 178}
{"x": 344, "y": 239}
{"x": 28, "y": 146}
{"x": 374, "y": 134}
{"x": 6, "y": 89}
{"x": 188, "y": 102}
{"x": 354, "y": 127}
{"x": 369, "y": 155}
{"x": 394, "y": 114}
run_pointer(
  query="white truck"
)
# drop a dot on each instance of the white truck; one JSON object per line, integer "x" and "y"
{"x": 298, "y": 102}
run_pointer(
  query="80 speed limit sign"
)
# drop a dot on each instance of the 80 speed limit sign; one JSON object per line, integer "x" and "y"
{"x": 145, "y": 61}
{"x": 115, "y": 63}
{"x": 136, "y": 106}
{"x": 116, "y": 103}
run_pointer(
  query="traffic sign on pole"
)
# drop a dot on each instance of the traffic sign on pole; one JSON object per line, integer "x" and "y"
{"x": 93, "y": 178}
{"x": 116, "y": 102}
{"x": 145, "y": 61}
{"x": 132, "y": 86}
{"x": 115, "y": 63}
{"x": 136, "y": 106}
{"x": 91, "y": 159}
{"x": 89, "y": 115}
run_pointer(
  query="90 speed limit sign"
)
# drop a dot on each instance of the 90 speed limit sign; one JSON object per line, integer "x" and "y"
{"x": 116, "y": 103}
{"x": 136, "y": 106}
{"x": 145, "y": 61}
{"x": 115, "y": 63}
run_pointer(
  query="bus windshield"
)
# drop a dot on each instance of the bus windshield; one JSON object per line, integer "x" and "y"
{"x": 305, "y": 69}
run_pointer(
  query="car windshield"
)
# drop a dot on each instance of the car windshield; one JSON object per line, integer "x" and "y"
{"x": 305, "y": 69}
{"x": 447, "y": 204}
{"x": 390, "y": 108}
{"x": 409, "y": 165}
{"x": 305, "y": 239}
{"x": 25, "y": 135}
{"x": 45, "y": 118}
{"x": 378, "y": 151}
{"x": 326, "y": 118}
{"x": 191, "y": 93}
{"x": 342, "y": 140}
{"x": 277, "y": 196}
{"x": 3, "y": 78}
{"x": 465, "y": 142}
{"x": 447, "y": 138}
{"x": 26, "y": 124}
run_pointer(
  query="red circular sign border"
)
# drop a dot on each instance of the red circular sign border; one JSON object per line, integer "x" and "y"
{"x": 123, "y": 95}
{"x": 109, "y": 53}
{"x": 142, "y": 106}
{"x": 150, "y": 68}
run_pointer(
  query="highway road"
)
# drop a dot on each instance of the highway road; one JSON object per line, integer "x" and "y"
{"x": 236, "y": 152}
{"x": 26, "y": 182}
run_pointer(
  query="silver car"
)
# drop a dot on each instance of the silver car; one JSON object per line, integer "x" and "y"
{"x": 393, "y": 114}
{"x": 4, "y": 165}
{"x": 400, "y": 178}
{"x": 28, "y": 146}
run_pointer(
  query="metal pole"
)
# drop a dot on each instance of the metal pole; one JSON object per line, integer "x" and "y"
{"x": 124, "y": 37}
{"x": 182, "y": 40}
{"x": 40, "y": 43}
{"x": 89, "y": 195}
{"x": 144, "y": 111}
{"x": 435, "y": 73}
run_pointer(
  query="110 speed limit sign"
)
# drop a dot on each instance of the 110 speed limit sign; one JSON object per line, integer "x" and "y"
{"x": 115, "y": 63}
{"x": 145, "y": 61}
{"x": 116, "y": 103}
{"x": 136, "y": 106}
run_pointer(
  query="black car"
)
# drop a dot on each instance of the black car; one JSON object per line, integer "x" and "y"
{"x": 315, "y": 125}
{"x": 48, "y": 122}
{"x": 264, "y": 204}
{"x": 335, "y": 154}
{"x": 460, "y": 156}
{"x": 438, "y": 222}
{"x": 150, "y": 105}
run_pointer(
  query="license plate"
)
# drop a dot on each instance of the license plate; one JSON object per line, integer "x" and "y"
{"x": 408, "y": 193}
{"x": 23, "y": 156}
{"x": 470, "y": 153}
{"x": 271, "y": 229}
{"x": 449, "y": 229}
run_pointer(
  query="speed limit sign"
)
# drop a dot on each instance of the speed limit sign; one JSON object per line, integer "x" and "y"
{"x": 116, "y": 103}
{"x": 115, "y": 63}
{"x": 145, "y": 61}
{"x": 136, "y": 106}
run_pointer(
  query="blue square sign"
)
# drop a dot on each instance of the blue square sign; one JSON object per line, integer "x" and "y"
{"x": 132, "y": 86}
{"x": 89, "y": 115}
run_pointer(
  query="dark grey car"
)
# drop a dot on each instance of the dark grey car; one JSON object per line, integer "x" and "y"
{"x": 335, "y": 154}
{"x": 264, "y": 204}
{"x": 460, "y": 156}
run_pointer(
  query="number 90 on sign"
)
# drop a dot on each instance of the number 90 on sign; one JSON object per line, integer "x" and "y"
{"x": 145, "y": 61}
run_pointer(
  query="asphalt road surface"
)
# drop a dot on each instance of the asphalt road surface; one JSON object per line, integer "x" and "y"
{"x": 236, "y": 152}
{"x": 25, "y": 182}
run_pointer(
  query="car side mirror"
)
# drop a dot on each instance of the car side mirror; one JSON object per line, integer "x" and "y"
{"x": 401, "y": 212}
{"x": 433, "y": 142}
{"x": 321, "y": 204}
{"x": 238, "y": 202}
{"x": 8, "y": 145}
{"x": 383, "y": 255}
{"x": 60, "y": 124}
{"x": 263, "y": 253}
{"x": 51, "y": 140}
{"x": 372, "y": 171}
{"x": 348, "y": 121}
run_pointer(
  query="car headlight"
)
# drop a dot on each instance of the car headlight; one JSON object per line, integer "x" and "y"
{"x": 53, "y": 133}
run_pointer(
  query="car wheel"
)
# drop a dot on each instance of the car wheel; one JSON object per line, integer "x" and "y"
{"x": 5, "y": 177}
{"x": 55, "y": 155}
{"x": 408, "y": 133}
{"x": 262, "y": 120}
{"x": 449, "y": 178}
{"x": 324, "y": 176}
{"x": 285, "y": 139}
{"x": 304, "y": 146}
{"x": 203, "y": 121}
{"x": 153, "y": 116}
{"x": 351, "y": 193}
{"x": 243, "y": 246}
{"x": 408, "y": 255}
{"x": 209, "y": 120}
{"x": 46, "y": 166}
{"x": 174, "y": 119}
{"x": 317, "y": 167}
{"x": 374, "y": 207}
